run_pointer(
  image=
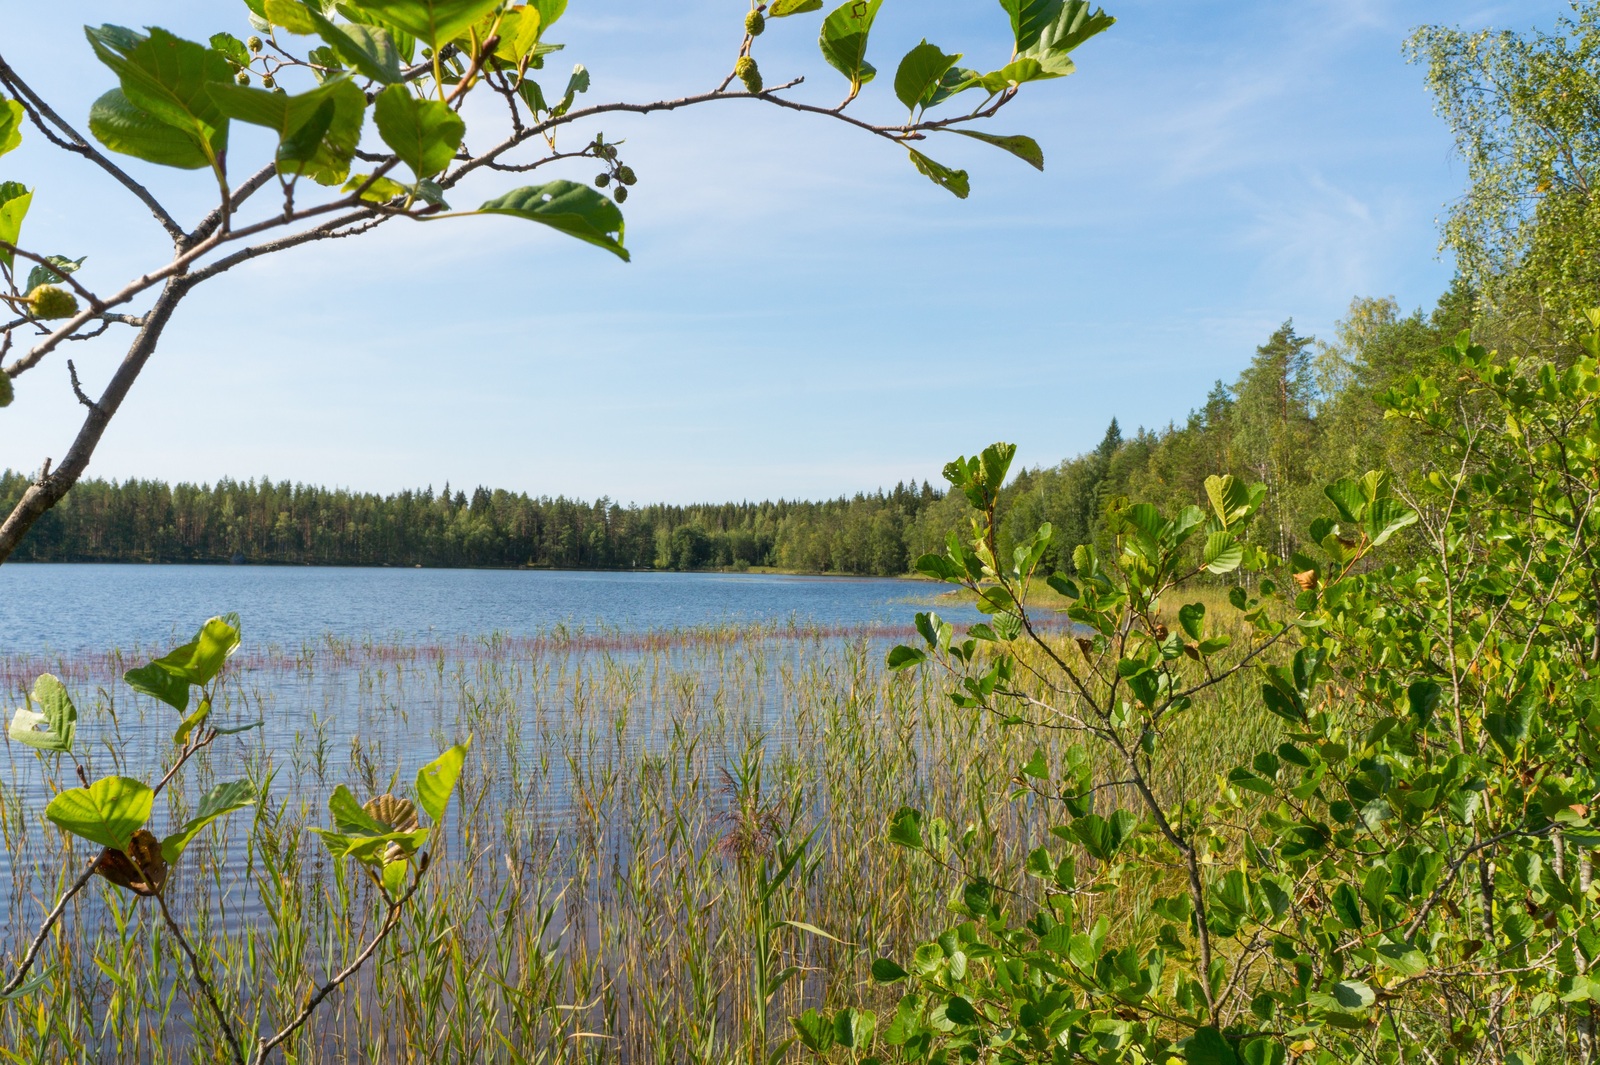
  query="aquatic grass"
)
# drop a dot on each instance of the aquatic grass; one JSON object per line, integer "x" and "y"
{"x": 598, "y": 897}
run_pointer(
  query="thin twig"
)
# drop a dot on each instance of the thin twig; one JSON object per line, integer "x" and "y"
{"x": 49, "y": 922}
{"x": 200, "y": 978}
{"x": 390, "y": 920}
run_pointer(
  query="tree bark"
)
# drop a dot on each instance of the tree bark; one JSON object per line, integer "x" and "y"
{"x": 52, "y": 485}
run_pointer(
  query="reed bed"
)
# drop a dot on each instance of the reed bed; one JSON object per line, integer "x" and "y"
{"x": 596, "y": 900}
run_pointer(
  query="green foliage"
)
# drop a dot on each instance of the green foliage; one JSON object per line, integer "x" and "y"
{"x": 1523, "y": 108}
{"x": 574, "y": 209}
{"x": 844, "y": 40}
{"x": 53, "y": 726}
{"x": 383, "y": 836}
{"x": 165, "y": 108}
{"x": 1407, "y": 862}
{"x": 217, "y": 803}
{"x": 423, "y": 133}
{"x": 107, "y": 812}
{"x": 170, "y": 677}
{"x": 317, "y": 130}
{"x": 14, "y": 202}
{"x": 11, "y": 118}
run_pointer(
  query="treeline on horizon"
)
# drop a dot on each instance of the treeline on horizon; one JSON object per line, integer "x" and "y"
{"x": 1303, "y": 413}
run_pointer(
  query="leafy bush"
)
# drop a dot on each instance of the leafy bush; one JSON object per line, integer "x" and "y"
{"x": 385, "y": 836}
{"x": 1403, "y": 874}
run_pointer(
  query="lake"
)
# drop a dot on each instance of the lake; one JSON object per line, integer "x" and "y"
{"x": 54, "y": 608}
{"x": 621, "y": 724}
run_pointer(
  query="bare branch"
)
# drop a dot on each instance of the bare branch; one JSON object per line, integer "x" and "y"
{"x": 199, "y": 977}
{"x": 390, "y": 920}
{"x": 50, "y": 487}
{"x": 49, "y": 922}
{"x": 39, "y": 112}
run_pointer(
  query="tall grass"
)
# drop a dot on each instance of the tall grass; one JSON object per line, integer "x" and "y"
{"x": 600, "y": 899}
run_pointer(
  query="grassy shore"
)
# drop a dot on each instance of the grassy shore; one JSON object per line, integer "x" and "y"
{"x": 597, "y": 901}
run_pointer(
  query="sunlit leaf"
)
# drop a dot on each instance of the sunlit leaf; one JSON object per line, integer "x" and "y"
{"x": 107, "y": 812}
{"x": 220, "y": 801}
{"x": 576, "y": 210}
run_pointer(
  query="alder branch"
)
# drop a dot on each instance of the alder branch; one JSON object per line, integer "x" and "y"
{"x": 51, "y": 487}
{"x": 39, "y": 111}
{"x": 50, "y": 920}
{"x": 199, "y": 977}
{"x": 64, "y": 275}
{"x": 390, "y": 921}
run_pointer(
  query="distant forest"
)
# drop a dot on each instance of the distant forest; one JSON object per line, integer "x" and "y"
{"x": 1303, "y": 413}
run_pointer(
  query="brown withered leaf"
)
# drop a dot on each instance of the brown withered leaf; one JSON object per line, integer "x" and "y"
{"x": 1161, "y": 631}
{"x": 400, "y": 815}
{"x": 141, "y": 869}
{"x": 1086, "y": 646}
{"x": 1307, "y": 580}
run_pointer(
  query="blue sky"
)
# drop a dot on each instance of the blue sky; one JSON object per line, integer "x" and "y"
{"x": 805, "y": 315}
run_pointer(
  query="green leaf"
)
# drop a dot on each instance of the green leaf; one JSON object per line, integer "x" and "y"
{"x": 11, "y": 116}
{"x": 1025, "y": 148}
{"x": 1282, "y": 704}
{"x": 317, "y": 130}
{"x": 298, "y": 148}
{"x": 815, "y": 1031}
{"x": 1353, "y": 994}
{"x": 168, "y": 678}
{"x": 903, "y": 657}
{"x": 1029, "y": 18}
{"x": 959, "y": 1011}
{"x": 292, "y": 15}
{"x": 1208, "y": 1047}
{"x": 232, "y": 48}
{"x": 51, "y": 727}
{"x": 1073, "y": 22}
{"x": 26, "y": 988}
{"x": 192, "y": 722}
{"x": 128, "y": 130}
{"x": 853, "y": 1028}
{"x": 107, "y": 812}
{"x": 380, "y": 190}
{"x": 434, "y": 22}
{"x": 1403, "y": 958}
{"x": 887, "y": 972}
{"x": 52, "y": 275}
{"x": 161, "y": 683}
{"x": 785, "y": 8}
{"x": 220, "y": 801}
{"x": 1422, "y": 698}
{"x": 920, "y": 73}
{"x": 349, "y": 817}
{"x": 1348, "y": 499}
{"x": 1191, "y": 618}
{"x": 532, "y": 95}
{"x": 423, "y": 133}
{"x": 1385, "y": 517}
{"x": 1232, "y": 500}
{"x": 14, "y": 202}
{"x": 369, "y": 49}
{"x": 906, "y": 828}
{"x": 844, "y": 40}
{"x": 550, "y": 10}
{"x": 1223, "y": 553}
{"x": 955, "y": 181}
{"x": 576, "y": 210}
{"x": 436, "y": 781}
{"x": 168, "y": 79}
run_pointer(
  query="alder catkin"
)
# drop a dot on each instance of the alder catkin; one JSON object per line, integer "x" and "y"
{"x": 747, "y": 71}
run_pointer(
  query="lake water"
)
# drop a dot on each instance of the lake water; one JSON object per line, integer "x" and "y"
{"x": 55, "y": 609}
